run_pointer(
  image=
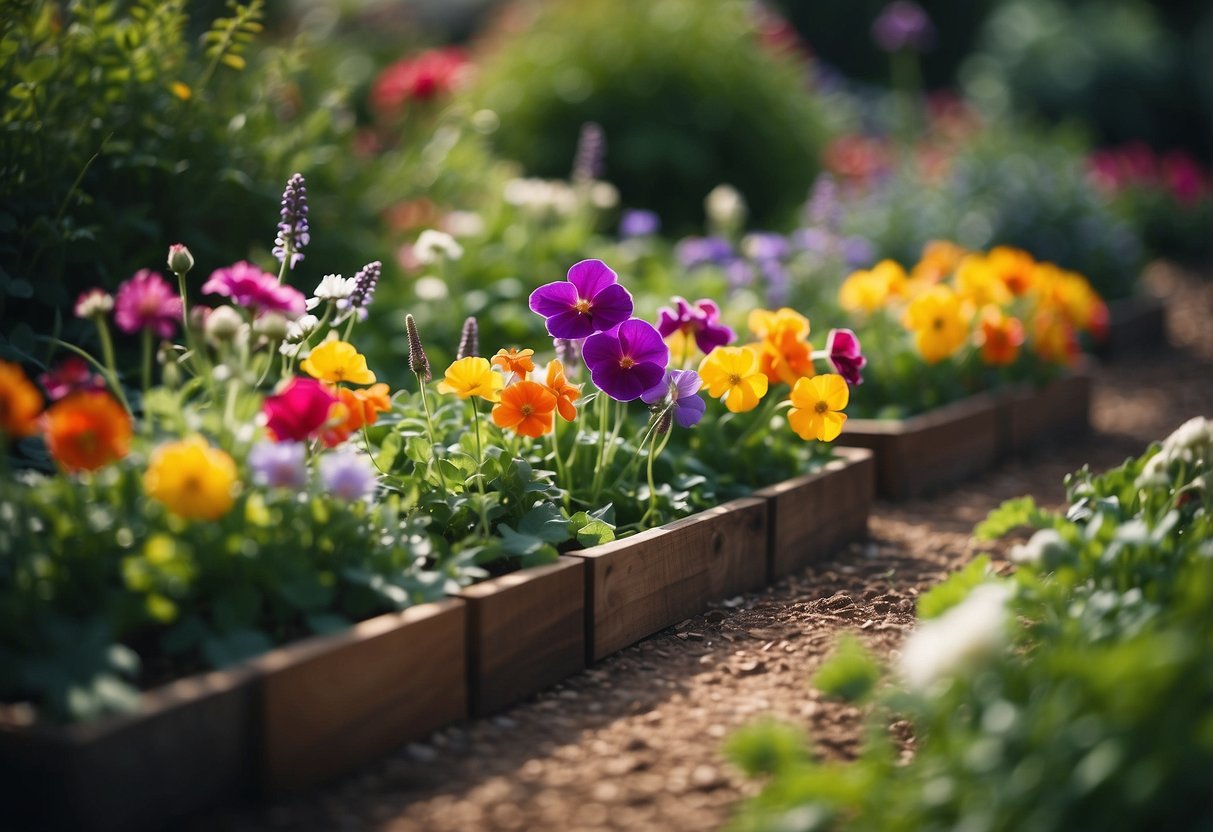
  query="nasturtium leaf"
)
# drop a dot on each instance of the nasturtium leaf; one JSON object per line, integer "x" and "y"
{"x": 547, "y": 522}
{"x": 590, "y": 531}
{"x": 326, "y": 623}
{"x": 942, "y": 597}
{"x": 235, "y": 646}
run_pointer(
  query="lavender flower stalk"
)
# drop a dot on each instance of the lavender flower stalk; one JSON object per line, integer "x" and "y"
{"x": 419, "y": 363}
{"x": 589, "y": 163}
{"x": 469, "y": 340}
{"x": 365, "y": 282}
{"x": 293, "y": 232}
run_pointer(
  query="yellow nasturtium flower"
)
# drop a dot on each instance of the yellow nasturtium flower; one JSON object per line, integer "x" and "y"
{"x": 867, "y": 291}
{"x": 472, "y": 376}
{"x": 817, "y": 405}
{"x": 938, "y": 323}
{"x": 979, "y": 284}
{"x": 732, "y": 374}
{"x": 337, "y": 361}
{"x": 192, "y": 479}
{"x": 1015, "y": 268}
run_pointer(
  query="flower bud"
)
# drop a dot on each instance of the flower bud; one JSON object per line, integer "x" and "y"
{"x": 180, "y": 260}
{"x": 273, "y": 325}
{"x": 95, "y": 303}
{"x": 469, "y": 339}
{"x": 222, "y": 324}
{"x": 419, "y": 363}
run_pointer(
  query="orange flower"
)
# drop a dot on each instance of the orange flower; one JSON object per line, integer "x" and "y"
{"x": 1000, "y": 337}
{"x": 526, "y": 407}
{"x": 939, "y": 259}
{"x": 783, "y": 354}
{"x": 20, "y": 402}
{"x": 519, "y": 362}
{"x": 357, "y": 408}
{"x": 87, "y": 430}
{"x": 1054, "y": 338}
{"x": 1014, "y": 267}
{"x": 564, "y": 392}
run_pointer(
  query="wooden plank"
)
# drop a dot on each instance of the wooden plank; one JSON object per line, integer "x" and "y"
{"x": 1036, "y": 418}
{"x": 642, "y": 584}
{"x": 192, "y": 745}
{"x": 926, "y": 452}
{"x": 333, "y": 702}
{"x": 526, "y": 632}
{"x": 813, "y": 516}
{"x": 1134, "y": 324}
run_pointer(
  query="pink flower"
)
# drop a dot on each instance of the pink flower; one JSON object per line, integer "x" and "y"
{"x": 299, "y": 411}
{"x": 147, "y": 301}
{"x": 71, "y": 374}
{"x": 426, "y": 76}
{"x": 250, "y": 287}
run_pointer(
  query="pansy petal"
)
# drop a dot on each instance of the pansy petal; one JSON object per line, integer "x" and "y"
{"x": 686, "y": 383}
{"x": 571, "y": 325}
{"x": 834, "y": 391}
{"x": 688, "y": 411}
{"x": 553, "y": 298}
{"x": 641, "y": 341}
{"x": 831, "y": 426}
{"x": 589, "y": 277}
{"x": 658, "y": 391}
{"x": 601, "y": 348}
{"x": 713, "y": 335}
{"x": 611, "y": 306}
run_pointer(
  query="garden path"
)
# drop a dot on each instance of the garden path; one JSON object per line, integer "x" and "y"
{"x": 635, "y": 742}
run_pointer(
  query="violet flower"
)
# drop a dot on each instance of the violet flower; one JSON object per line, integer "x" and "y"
{"x": 636, "y": 222}
{"x": 147, "y": 301}
{"x": 279, "y": 464}
{"x": 693, "y": 252}
{"x": 293, "y": 232}
{"x": 903, "y": 25}
{"x": 702, "y": 321}
{"x": 589, "y": 161}
{"x": 844, "y": 352}
{"x": 765, "y": 245}
{"x": 248, "y": 286}
{"x": 681, "y": 389}
{"x": 589, "y": 301}
{"x": 627, "y": 360}
{"x": 350, "y": 476}
{"x": 365, "y": 283}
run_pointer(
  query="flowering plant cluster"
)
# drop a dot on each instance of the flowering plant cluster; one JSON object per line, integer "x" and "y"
{"x": 974, "y": 319}
{"x": 1039, "y": 700}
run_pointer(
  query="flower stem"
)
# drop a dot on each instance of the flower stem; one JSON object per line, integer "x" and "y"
{"x": 484, "y": 510}
{"x": 429, "y": 421}
{"x": 654, "y": 452}
{"x": 111, "y": 370}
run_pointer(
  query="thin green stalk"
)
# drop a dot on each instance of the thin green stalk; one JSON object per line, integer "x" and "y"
{"x": 654, "y": 452}
{"x": 484, "y": 510}
{"x": 145, "y": 374}
{"x": 111, "y": 368}
{"x": 429, "y": 421}
{"x": 596, "y": 484}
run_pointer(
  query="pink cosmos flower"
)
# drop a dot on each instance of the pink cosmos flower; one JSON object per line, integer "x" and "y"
{"x": 147, "y": 301}
{"x": 69, "y": 375}
{"x": 299, "y": 411}
{"x": 252, "y": 288}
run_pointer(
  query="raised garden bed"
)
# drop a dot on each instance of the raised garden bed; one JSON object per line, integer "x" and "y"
{"x": 1035, "y": 418}
{"x": 1134, "y": 324}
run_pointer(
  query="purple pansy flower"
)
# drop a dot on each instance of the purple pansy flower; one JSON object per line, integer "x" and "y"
{"x": 279, "y": 464}
{"x": 627, "y": 360}
{"x": 700, "y": 251}
{"x": 590, "y": 301}
{"x": 682, "y": 389}
{"x": 842, "y": 347}
{"x": 701, "y": 321}
{"x": 903, "y": 25}
{"x": 765, "y": 245}
{"x": 636, "y": 222}
{"x": 252, "y": 288}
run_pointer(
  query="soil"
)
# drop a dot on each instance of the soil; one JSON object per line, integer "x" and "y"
{"x": 635, "y": 742}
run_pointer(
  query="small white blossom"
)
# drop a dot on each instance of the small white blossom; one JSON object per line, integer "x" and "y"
{"x": 1154, "y": 472}
{"x": 725, "y": 207}
{"x": 959, "y": 639}
{"x": 604, "y": 196}
{"x": 222, "y": 325}
{"x": 1191, "y": 439}
{"x": 433, "y": 246}
{"x": 1040, "y": 544}
{"x": 463, "y": 224}
{"x": 300, "y": 329}
{"x": 430, "y": 288}
{"x": 95, "y": 303}
{"x": 273, "y": 325}
{"x": 332, "y": 287}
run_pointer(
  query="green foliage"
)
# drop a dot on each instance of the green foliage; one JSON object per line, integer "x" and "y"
{"x": 942, "y": 597}
{"x": 687, "y": 96}
{"x": 850, "y": 673}
{"x": 1020, "y": 511}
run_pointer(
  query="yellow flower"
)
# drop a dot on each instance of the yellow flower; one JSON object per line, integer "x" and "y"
{"x": 192, "y": 479}
{"x": 1015, "y": 268}
{"x": 868, "y": 291}
{"x": 336, "y": 361}
{"x": 938, "y": 323}
{"x": 472, "y": 376}
{"x": 732, "y": 374}
{"x": 939, "y": 259}
{"x": 979, "y": 284}
{"x": 774, "y": 325}
{"x": 817, "y": 403}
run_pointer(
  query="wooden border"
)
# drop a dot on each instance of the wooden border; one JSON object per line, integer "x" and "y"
{"x": 1134, "y": 324}
{"x": 526, "y": 632}
{"x": 815, "y": 515}
{"x": 642, "y": 584}
{"x": 1035, "y": 418}
{"x": 191, "y": 745}
{"x": 926, "y": 452}
{"x": 330, "y": 703}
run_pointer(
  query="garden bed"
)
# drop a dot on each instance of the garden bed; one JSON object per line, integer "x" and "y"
{"x": 1134, "y": 324}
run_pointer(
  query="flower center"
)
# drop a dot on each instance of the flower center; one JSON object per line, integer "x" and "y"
{"x": 627, "y": 362}
{"x": 734, "y": 380}
{"x": 526, "y": 410}
{"x": 821, "y": 407}
{"x": 582, "y": 305}
{"x": 192, "y": 484}
{"x": 937, "y": 324}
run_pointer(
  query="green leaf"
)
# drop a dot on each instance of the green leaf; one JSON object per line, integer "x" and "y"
{"x": 590, "y": 531}
{"x": 955, "y": 589}
{"x": 519, "y": 545}
{"x": 235, "y": 647}
{"x": 186, "y": 635}
{"x": 547, "y": 522}
{"x": 326, "y": 623}
{"x": 306, "y": 592}
{"x": 767, "y": 748}
{"x": 849, "y": 674}
{"x": 1021, "y": 511}
{"x": 236, "y": 609}
{"x": 389, "y": 449}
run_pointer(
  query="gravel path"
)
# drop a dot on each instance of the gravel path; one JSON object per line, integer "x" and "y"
{"x": 634, "y": 743}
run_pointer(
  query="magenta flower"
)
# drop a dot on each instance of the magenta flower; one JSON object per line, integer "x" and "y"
{"x": 627, "y": 360}
{"x": 250, "y": 287}
{"x": 299, "y": 411}
{"x": 71, "y": 374}
{"x": 842, "y": 347}
{"x": 147, "y": 301}
{"x": 903, "y": 24}
{"x": 681, "y": 389}
{"x": 702, "y": 321}
{"x": 590, "y": 301}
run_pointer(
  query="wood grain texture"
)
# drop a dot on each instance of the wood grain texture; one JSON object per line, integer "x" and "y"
{"x": 653, "y": 580}
{"x": 332, "y": 702}
{"x": 1034, "y": 419}
{"x": 192, "y": 745}
{"x": 1134, "y": 324}
{"x": 926, "y": 452}
{"x": 813, "y": 516}
{"x": 526, "y": 632}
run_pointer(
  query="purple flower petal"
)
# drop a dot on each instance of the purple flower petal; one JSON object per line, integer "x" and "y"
{"x": 590, "y": 277}
{"x": 714, "y": 335}
{"x": 628, "y": 384}
{"x": 640, "y": 341}
{"x": 611, "y": 306}
{"x": 688, "y": 411}
{"x": 685, "y": 383}
{"x": 553, "y": 299}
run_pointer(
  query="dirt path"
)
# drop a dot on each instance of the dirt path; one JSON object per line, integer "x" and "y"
{"x": 634, "y": 743}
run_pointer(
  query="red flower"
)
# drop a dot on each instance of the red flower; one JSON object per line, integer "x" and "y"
{"x": 299, "y": 411}
{"x": 426, "y": 76}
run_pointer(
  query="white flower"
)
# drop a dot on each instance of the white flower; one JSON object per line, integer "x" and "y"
{"x": 300, "y": 329}
{"x": 1154, "y": 472}
{"x": 433, "y": 246}
{"x": 960, "y": 638}
{"x": 430, "y": 288}
{"x": 725, "y": 207}
{"x": 94, "y": 303}
{"x": 1037, "y": 546}
{"x": 273, "y": 325}
{"x": 541, "y": 196}
{"x": 332, "y": 287}
{"x": 1193, "y": 437}
{"x": 463, "y": 224}
{"x": 222, "y": 324}
{"x": 604, "y": 196}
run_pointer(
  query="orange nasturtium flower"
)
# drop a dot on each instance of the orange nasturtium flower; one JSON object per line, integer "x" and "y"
{"x": 87, "y": 429}
{"x": 939, "y": 259}
{"x": 337, "y": 361}
{"x": 361, "y": 407}
{"x": 526, "y": 407}
{"x": 733, "y": 375}
{"x": 564, "y": 392}
{"x": 817, "y": 405}
{"x": 938, "y": 324}
{"x": 513, "y": 360}
{"x": 867, "y": 291}
{"x": 783, "y": 353}
{"x": 1053, "y": 337}
{"x": 1015, "y": 268}
{"x": 20, "y": 402}
{"x": 1000, "y": 337}
{"x": 192, "y": 479}
{"x": 472, "y": 376}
